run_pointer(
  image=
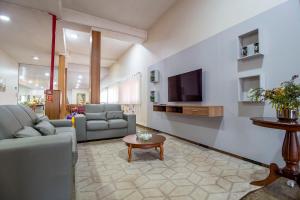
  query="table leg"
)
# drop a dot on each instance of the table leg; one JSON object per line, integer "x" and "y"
{"x": 273, "y": 175}
{"x": 290, "y": 154}
{"x": 161, "y": 146}
{"x": 129, "y": 153}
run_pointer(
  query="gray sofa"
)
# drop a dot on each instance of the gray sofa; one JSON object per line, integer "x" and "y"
{"x": 104, "y": 121}
{"x": 39, "y": 167}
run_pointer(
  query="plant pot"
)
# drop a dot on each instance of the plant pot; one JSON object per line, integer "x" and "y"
{"x": 287, "y": 114}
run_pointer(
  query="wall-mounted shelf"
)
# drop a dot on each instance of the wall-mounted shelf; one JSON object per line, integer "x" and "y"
{"x": 249, "y": 80}
{"x": 257, "y": 55}
{"x": 250, "y": 45}
{"x": 154, "y": 76}
{"x": 205, "y": 111}
{"x": 154, "y": 96}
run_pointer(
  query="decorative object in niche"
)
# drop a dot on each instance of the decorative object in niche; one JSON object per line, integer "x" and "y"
{"x": 154, "y": 76}
{"x": 249, "y": 45}
{"x": 154, "y": 96}
{"x": 285, "y": 99}
{"x": 2, "y": 84}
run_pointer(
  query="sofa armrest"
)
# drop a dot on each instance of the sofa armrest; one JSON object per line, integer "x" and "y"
{"x": 131, "y": 120}
{"x": 61, "y": 123}
{"x": 80, "y": 126}
{"x": 36, "y": 168}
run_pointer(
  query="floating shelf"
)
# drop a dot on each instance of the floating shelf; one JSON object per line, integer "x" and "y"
{"x": 257, "y": 55}
{"x": 205, "y": 111}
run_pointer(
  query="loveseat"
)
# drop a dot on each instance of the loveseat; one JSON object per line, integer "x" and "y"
{"x": 102, "y": 121}
{"x": 32, "y": 166}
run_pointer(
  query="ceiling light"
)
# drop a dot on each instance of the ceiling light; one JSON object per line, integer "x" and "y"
{"x": 78, "y": 81}
{"x": 35, "y": 58}
{"x": 55, "y": 82}
{"x": 21, "y": 77}
{"x": 36, "y": 85}
{"x": 47, "y": 74}
{"x": 73, "y": 36}
{"x": 30, "y": 81}
{"x": 4, "y": 18}
{"x": 79, "y": 76}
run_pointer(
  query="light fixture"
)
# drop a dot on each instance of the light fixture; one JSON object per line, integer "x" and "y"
{"x": 4, "y": 18}
{"x": 73, "y": 36}
{"x": 78, "y": 81}
{"x": 36, "y": 85}
{"x": 21, "y": 77}
{"x": 30, "y": 81}
{"x": 47, "y": 74}
{"x": 79, "y": 76}
{"x": 55, "y": 82}
{"x": 35, "y": 58}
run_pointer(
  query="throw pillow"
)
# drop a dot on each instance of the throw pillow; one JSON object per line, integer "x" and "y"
{"x": 42, "y": 118}
{"x": 45, "y": 128}
{"x": 27, "y": 131}
{"x": 114, "y": 115}
{"x": 96, "y": 116}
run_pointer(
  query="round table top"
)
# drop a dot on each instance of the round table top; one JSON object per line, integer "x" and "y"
{"x": 271, "y": 122}
{"x": 132, "y": 139}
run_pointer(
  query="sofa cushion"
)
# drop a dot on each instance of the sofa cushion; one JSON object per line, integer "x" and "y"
{"x": 96, "y": 116}
{"x": 112, "y": 107}
{"x": 96, "y": 125}
{"x": 20, "y": 115}
{"x": 117, "y": 123}
{"x": 94, "y": 108}
{"x": 9, "y": 124}
{"x": 27, "y": 131}
{"x": 114, "y": 115}
{"x": 70, "y": 131}
{"x": 45, "y": 128}
{"x": 42, "y": 118}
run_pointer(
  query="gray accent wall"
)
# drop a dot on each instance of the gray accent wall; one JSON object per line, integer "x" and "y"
{"x": 217, "y": 56}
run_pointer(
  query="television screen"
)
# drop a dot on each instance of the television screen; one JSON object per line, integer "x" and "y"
{"x": 185, "y": 87}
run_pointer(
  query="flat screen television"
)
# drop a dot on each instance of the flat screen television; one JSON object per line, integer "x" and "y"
{"x": 185, "y": 87}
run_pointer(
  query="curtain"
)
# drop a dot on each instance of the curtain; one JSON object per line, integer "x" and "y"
{"x": 130, "y": 90}
{"x": 113, "y": 94}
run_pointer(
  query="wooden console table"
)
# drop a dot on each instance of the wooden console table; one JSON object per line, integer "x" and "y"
{"x": 290, "y": 150}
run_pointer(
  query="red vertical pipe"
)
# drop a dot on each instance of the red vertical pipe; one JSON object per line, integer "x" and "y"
{"x": 52, "y": 51}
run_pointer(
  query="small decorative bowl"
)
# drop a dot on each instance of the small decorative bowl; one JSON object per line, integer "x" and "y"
{"x": 144, "y": 136}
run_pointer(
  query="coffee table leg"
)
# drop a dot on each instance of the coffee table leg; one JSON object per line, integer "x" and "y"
{"x": 129, "y": 153}
{"x": 161, "y": 146}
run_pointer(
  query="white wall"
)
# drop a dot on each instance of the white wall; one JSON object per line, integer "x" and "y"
{"x": 9, "y": 70}
{"x": 184, "y": 24}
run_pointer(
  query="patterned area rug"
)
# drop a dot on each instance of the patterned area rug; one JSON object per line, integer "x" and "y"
{"x": 188, "y": 172}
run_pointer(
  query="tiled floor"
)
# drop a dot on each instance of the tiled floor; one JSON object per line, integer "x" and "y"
{"x": 188, "y": 172}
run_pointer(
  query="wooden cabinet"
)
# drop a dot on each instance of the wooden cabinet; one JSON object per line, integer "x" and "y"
{"x": 205, "y": 111}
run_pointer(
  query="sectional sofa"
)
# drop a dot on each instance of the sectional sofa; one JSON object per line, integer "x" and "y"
{"x": 35, "y": 167}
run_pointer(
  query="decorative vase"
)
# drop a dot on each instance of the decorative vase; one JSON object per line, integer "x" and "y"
{"x": 287, "y": 114}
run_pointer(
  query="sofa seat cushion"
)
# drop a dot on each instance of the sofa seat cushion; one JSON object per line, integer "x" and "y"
{"x": 70, "y": 131}
{"x": 96, "y": 125}
{"x": 117, "y": 123}
{"x": 27, "y": 131}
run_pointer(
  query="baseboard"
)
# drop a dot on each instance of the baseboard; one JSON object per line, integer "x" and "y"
{"x": 209, "y": 147}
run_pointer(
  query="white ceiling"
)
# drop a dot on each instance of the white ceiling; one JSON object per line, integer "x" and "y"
{"x": 28, "y": 34}
{"x": 136, "y": 13}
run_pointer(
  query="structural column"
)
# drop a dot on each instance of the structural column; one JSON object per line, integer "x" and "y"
{"x": 62, "y": 84}
{"x": 95, "y": 67}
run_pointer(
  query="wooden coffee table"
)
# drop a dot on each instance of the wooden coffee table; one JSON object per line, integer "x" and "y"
{"x": 156, "y": 141}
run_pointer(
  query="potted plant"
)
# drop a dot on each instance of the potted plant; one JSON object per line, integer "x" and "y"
{"x": 285, "y": 99}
